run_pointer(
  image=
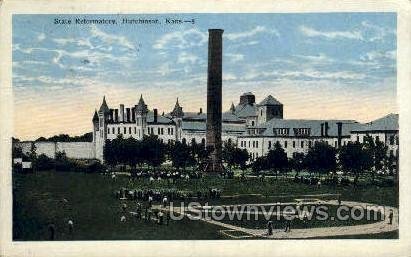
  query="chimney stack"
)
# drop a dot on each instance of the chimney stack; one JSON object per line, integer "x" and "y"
{"x": 322, "y": 129}
{"x": 326, "y": 128}
{"x": 155, "y": 115}
{"x": 214, "y": 100}
{"x": 128, "y": 114}
{"x": 116, "y": 115}
{"x": 133, "y": 114}
{"x": 121, "y": 112}
{"x": 339, "y": 131}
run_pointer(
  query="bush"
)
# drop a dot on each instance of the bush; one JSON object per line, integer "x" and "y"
{"x": 42, "y": 162}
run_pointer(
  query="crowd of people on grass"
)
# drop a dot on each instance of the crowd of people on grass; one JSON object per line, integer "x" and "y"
{"x": 171, "y": 194}
{"x": 321, "y": 181}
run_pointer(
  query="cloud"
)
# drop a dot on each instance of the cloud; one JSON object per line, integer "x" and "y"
{"x": 181, "y": 39}
{"x": 110, "y": 39}
{"x": 234, "y": 57}
{"x": 379, "y": 55}
{"x": 78, "y": 41}
{"x": 311, "y": 32}
{"x": 377, "y": 33}
{"x": 251, "y": 33}
{"x": 41, "y": 37}
{"x": 185, "y": 58}
{"x": 305, "y": 74}
{"x": 320, "y": 58}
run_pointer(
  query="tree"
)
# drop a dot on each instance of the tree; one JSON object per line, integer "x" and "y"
{"x": 153, "y": 150}
{"x": 240, "y": 158}
{"x": 297, "y": 162}
{"x": 378, "y": 152}
{"x": 354, "y": 158}
{"x": 277, "y": 159}
{"x": 321, "y": 158}
{"x": 228, "y": 154}
{"x": 259, "y": 164}
{"x": 180, "y": 155}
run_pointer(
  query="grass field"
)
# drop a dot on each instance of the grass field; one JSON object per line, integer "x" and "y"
{"x": 55, "y": 197}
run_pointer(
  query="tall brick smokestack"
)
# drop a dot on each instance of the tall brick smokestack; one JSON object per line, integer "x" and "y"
{"x": 214, "y": 99}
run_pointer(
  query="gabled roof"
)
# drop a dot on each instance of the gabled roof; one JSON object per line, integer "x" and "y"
{"x": 388, "y": 122}
{"x": 270, "y": 100}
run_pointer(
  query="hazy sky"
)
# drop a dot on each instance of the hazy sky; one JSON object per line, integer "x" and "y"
{"x": 318, "y": 65}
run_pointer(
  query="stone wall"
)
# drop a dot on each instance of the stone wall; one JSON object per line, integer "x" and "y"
{"x": 74, "y": 150}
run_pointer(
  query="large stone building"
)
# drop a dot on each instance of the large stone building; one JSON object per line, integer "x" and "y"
{"x": 255, "y": 127}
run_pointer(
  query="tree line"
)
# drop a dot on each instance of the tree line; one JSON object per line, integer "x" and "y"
{"x": 354, "y": 158}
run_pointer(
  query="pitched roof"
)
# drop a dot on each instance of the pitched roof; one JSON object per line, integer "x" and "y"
{"x": 178, "y": 110}
{"x": 160, "y": 118}
{"x": 388, "y": 122}
{"x": 104, "y": 107}
{"x": 245, "y": 110}
{"x": 270, "y": 100}
{"x": 141, "y": 107}
{"x": 95, "y": 117}
{"x": 201, "y": 126}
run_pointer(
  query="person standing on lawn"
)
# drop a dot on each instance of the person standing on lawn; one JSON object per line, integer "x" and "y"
{"x": 270, "y": 228}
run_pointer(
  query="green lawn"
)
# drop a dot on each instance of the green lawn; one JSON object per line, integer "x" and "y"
{"x": 42, "y": 198}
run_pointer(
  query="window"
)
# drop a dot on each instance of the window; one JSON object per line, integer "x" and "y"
{"x": 249, "y": 142}
{"x": 377, "y": 138}
{"x": 125, "y": 130}
{"x": 293, "y": 144}
{"x": 253, "y": 144}
{"x": 113, "y": 131}
{"x": 135, "y": 130}
{"x": 302, "y": 144}
{"x": 285, "y": 144}
{"x": 172, "y": 131}
{"x": 256, "y": 144}
{"x": 158, "y": 131}
{"x": 261, "y": 113}
{"x": 358, "y": 138}
{"x": 162, "y": 131}
{"x": 269, "y": 144}
{"x": 184, "y": 141}
{"x": 118, "y": 130}
{"x": 252, "y": 123}
{"x": 392, "y": 139}
{"x": 310, "y": 143}
{"x": 108, "y": 130}
{"x": 129, "y": 130}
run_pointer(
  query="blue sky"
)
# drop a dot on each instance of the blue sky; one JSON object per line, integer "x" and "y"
{"x": 336, "y": 65}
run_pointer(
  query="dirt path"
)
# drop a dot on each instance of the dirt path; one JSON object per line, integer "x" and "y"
{"x": 373, "y": 228}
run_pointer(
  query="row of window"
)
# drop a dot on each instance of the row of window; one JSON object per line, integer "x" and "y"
{"x": 254, "y": 144}
{"x": 128, "y": 130}
{"x": 393, "y": 140}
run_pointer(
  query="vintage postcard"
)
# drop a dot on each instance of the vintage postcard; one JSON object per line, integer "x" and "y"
{"x": 183, "y": 129}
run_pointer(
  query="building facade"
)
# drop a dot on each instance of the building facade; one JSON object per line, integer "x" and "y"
{"x": 251, "y": 126}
